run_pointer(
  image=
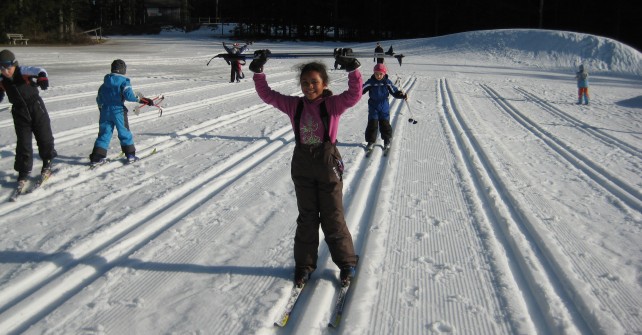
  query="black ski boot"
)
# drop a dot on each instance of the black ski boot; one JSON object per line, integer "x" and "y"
{"x": 346, "y": 275}
{"x": 301, "y": 276}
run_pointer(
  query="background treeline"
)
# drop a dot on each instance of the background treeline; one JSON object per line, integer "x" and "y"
{"x": 316, "y": 19}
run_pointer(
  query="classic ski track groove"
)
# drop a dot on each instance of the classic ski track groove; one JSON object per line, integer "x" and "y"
{"x": 505, "y": 219}
{"x": 629, "y": 194}
{"x": 585, "y": 268}
{"x": 596, "y": 133}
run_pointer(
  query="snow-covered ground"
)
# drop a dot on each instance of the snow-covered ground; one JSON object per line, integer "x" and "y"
{"x": 507, "y": 209}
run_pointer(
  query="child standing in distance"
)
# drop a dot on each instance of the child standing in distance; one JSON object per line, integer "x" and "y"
{"x": 236, "y": 74}
{"x": 378, "y": 50}
{"x": 582, "y": 85}
{"x": 112, "y": 94}
{"x": 379, "y": 87}
{"x": 20, "y": 83}
{"x": 317, "y": 167}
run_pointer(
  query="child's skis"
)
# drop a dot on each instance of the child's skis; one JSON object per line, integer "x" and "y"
{"x": 18, "y": 190}
{"x": 93, "y": 166}
{"x": 21, "y": 189}
{"x": 287, "y": 310}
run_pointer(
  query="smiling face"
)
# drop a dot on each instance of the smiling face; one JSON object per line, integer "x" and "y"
{"x": 312, "y": 85}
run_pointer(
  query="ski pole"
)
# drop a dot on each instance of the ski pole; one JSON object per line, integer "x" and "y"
{"x": 208, "y": 62}
{"x": 412, "y": 118}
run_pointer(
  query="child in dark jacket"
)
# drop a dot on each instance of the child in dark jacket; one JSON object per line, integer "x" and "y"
{"x": 379, "y": 88}
{"x": 20, "y": 83}
{"x": 236, "y": 74}
{"x": 317, "y": 167}
{"x": 112, "y": 94}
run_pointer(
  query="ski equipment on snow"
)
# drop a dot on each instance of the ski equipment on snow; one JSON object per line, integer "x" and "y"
{"x": 389, "y": 53}
{"x": 337, "y": 312}
{"x": 18, "y": 190}
{"x": 44, "y": 176}
{"x": 369, "y": 149}
{"x": 386, "y": 148}
{"x": 95, "y": 165}
{"x": 412, "y": 118}
{"x": 287, "y": 310}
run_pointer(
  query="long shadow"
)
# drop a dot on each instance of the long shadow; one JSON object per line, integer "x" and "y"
{"x": 631, "y": 103}
{"x": 67, "y": 261}
{"x": 285, "y": 273}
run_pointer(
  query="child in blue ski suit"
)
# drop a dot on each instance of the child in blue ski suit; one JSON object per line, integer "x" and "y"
{"x": 582, "y": 85}
{"x": 112, "y": 94}
{"x": 379, "y": 88}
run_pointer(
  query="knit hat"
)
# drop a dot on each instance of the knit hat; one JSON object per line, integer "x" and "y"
{"x": 380, "y": 68}
{"x": 8, "y": 58}
{"x": 118, "y": 66}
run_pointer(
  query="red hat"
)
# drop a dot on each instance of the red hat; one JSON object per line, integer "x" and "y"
{"x": 380, "y": 68}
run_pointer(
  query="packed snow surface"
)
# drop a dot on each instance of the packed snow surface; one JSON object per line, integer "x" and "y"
{"x": 506, "y": 209}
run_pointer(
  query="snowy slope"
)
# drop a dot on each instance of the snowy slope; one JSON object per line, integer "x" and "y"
{"x": 507, "y": 209}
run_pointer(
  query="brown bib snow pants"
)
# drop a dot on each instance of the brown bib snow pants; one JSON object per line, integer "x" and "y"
{"x": 317, "y": 172}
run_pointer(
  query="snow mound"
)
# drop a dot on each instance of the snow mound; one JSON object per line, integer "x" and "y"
{"x": 547, "y": 49}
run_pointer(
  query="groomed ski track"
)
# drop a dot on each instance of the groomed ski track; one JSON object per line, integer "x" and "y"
{"x": 453, "y": 216}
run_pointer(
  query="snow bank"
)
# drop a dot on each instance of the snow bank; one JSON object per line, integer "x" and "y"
{"x": 539, "y": 48}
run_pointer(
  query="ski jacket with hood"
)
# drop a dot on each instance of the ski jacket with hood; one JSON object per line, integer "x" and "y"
{"x": 112, "y": 94}
{"x": 582, "y": 77}
{"x": 378, "y": 90}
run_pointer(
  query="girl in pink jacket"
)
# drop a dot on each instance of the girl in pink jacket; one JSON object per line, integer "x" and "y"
{"x": 317, "y": 167}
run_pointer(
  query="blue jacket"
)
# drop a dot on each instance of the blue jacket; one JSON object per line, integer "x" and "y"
{"x": 582, "y": 77}
{"x": 112, "y": 94}
{"x": 379, "y": 90}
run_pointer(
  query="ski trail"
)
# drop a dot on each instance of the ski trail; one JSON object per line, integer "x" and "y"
{"x": 29, "y": 297}
{"x": 597, "y": 133}
{"x": 629, "y": 194}
{"x": 79, "y": 174}
{"x": 572, "y": 268}
{"x": 508, "y": 223}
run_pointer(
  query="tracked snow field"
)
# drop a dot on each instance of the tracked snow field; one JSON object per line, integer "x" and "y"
{"x": 506, "y": 209}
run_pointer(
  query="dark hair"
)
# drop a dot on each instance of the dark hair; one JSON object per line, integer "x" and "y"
{"x": 318, "y": 67}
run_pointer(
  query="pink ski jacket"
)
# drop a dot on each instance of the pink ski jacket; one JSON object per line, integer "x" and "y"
{"x": 311, "y": 125}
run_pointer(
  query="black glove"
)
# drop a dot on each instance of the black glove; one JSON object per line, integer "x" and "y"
{"x": 146, "y": 101}
{"x": 344, "y": 58}
{"x": 42, "y": 81}
{"x": 1, "y": 96}
{"x": 260, "y": 58}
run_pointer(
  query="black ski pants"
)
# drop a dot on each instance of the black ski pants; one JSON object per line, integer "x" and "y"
{"x": 378, "y": 125}
{"x": 317, "y": 172}
{"x": 28, "y": 119}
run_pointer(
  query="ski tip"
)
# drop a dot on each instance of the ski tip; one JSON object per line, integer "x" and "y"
{"x": 282, "y": 322}
{"x": 335, "y": 322}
